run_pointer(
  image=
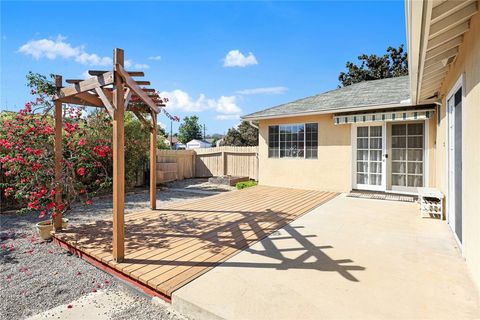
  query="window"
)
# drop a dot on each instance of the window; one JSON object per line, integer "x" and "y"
{"x": 293, "y": 141}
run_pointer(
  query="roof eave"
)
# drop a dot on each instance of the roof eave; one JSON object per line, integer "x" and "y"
{"x": 319, "y": 112}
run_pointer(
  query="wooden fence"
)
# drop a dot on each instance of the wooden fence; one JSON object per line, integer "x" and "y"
{"x": 208, "y": 162}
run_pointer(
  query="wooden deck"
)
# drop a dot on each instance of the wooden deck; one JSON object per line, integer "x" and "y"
{"x": 171, "y": 246}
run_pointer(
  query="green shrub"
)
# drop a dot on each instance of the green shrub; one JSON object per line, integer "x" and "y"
{"x": 245, "y": 184}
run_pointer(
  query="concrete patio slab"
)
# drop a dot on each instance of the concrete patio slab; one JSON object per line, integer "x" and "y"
{"x": 350, "y": 258}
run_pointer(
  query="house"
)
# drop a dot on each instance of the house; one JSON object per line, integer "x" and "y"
{"x": 397, "y": 134}
{"x": 174, "y": 143}
{"x": 220, "y": 142}
{"x": 195, "y": 144}
{"x": 171, "y": 141}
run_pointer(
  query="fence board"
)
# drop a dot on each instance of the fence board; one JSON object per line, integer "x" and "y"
{"x": 207, "y": 162}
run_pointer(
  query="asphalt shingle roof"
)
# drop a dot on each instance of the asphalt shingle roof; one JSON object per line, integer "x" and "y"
{"x": 368, "y": 93}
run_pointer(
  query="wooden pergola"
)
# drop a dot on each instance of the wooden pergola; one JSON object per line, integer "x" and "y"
{"x": 117, "y": 92}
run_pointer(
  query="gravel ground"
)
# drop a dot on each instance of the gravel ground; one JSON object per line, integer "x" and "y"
{"x": 36, "y": 276}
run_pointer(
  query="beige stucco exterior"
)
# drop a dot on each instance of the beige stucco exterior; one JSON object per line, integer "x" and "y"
{"x": 332, "y": 170}
{"x": 468, "y": 65}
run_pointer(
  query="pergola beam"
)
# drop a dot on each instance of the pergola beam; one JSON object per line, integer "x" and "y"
{"x": 135, "y": 88}
{"x": 153, "y": 161}
{"x": 118, "y": 243}
{"x": 131, "y": 73}
{"x": 106, "y": 101}
{"x": 86, "y": 85}
{"x": 58, "y": 156}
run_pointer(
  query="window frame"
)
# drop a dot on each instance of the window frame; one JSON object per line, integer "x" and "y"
{"x": 304, "y": 140}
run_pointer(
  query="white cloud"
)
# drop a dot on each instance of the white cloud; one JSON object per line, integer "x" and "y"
{"x": 58, "y": 48}
{"x": 266, "y": 90}
{"x": 237, "y": 59}
{"x": 85, "y": 75}
{"x": 227, "y": 117}
{"x": 141, "y": 66}
{"x": 227, "y": 105}
{"x": 180, "y": 100}
{"x": 137, "y": 66}
{"x": 155, "y": 58}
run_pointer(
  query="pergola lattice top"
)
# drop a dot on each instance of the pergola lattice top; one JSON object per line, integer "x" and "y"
{"x": 98, "y": 91}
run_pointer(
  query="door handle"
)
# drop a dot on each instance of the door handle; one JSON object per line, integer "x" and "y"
{"x": 386, "y": 155}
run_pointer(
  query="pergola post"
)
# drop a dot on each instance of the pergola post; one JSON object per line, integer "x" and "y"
{"x": 153, "y": 161}
{"x": 58, "y": 155}
{"x": 118, "y": 160}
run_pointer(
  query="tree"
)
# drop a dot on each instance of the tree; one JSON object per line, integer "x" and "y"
{"x": 392, "y": 64}
{"x": 189, "y": 129}
{"x": 243, "y": 136}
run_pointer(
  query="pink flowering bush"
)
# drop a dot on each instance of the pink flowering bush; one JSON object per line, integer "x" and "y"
{"x": 27, "y": 152}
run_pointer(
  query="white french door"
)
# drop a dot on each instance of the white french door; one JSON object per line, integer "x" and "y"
{"x": 407, "y": 145}
{"x": 369, "y": 162}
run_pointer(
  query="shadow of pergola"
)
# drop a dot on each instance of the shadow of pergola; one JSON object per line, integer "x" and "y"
{"x": 214, "y": 237}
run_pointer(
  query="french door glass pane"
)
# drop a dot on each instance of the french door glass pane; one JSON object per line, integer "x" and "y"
{"x": 362, "y": 132}
{"x": 362, "y": 178}
{"x": 375, "y": 179}
{"x": 376, "y": 131}
{"x": 375, "y": 167}
{"x": 376, "y": 143}
{"x": 415, "y": 181}
{"x": 399, "y": 167}
{"x": 362, "y": 143}
{"x": 415, "y": 168}
{"x": 362, "y": 167}
{"x": 415, "y": 155}
{"x": 362, "y": 155}
{"x": 399, "y": 154}
{"x": 398, "y": 180}
{"x": 376, "y": 155}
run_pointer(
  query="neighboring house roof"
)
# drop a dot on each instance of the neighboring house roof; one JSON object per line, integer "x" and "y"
{"x": 198, "y": 141}
{"x": 383, "y": 92}
{"x": 174, "y": 139}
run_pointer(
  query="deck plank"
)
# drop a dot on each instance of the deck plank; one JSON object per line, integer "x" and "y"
{"x": 173, "y": 245}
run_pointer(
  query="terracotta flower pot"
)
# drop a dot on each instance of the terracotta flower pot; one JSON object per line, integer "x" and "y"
{"x": 45, "y": 228}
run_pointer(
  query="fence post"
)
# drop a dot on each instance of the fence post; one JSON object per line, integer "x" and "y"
{"x": 194, "y": 163}
{"x": 224, "y": 163}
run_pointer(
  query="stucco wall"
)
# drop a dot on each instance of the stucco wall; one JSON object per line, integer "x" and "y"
{"x": 468, "y": 64}
{"x": 330, "y": 172}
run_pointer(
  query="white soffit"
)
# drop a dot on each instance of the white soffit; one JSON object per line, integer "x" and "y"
{"x": 443, "y": 26}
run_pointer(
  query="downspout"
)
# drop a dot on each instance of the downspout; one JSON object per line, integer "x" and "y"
{"x": 253, "y": 124}
{"x": 437, "y": 109}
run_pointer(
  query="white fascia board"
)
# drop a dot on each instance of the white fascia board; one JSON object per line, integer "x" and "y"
{"x": 414, "y": 27}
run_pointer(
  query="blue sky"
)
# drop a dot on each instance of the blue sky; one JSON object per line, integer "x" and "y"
{"x": 218, "y": 60}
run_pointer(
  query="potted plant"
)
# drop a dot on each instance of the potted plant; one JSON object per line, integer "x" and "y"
{"x": 45, "y": 228}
